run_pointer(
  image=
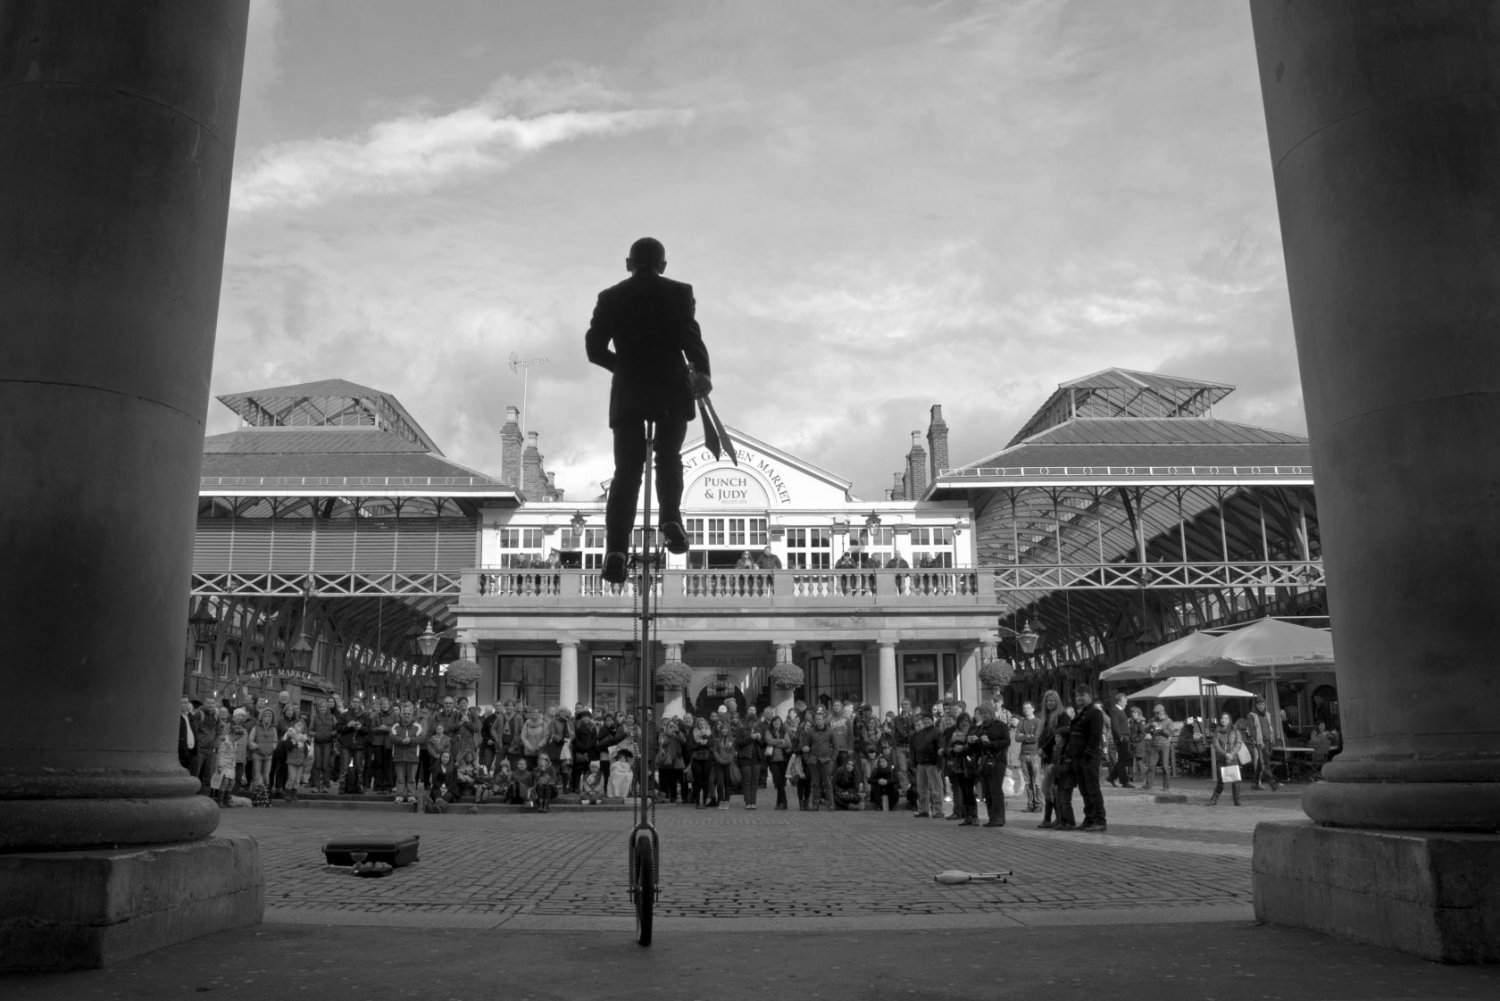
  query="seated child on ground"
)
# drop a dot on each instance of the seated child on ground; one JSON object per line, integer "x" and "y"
{"x": 882, "y": 784}
{"x": 592, "y": 789}
{"x": 525, "y": 783}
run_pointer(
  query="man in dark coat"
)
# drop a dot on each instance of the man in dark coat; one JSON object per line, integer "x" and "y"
{"x": 649, "y": 321}
{"x": 1119, "y": 731}
{"x": 1086, "y": 750}
{"x": 994, "y": 743}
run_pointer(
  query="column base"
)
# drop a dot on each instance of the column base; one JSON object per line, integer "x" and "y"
{"x": 90, "y": 909}
{"x": 1431, "y": 894}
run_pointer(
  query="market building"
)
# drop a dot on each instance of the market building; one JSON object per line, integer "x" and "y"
{"x": 334, "y": 537}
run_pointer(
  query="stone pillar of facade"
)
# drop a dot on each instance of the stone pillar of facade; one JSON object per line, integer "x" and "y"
{"x": 1384, "y": 126}
{"x": 119, "y": 124}
{"x": 889, "y": 698}
{"x": 567, "y": 680}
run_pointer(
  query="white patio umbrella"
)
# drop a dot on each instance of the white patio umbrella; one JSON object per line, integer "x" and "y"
{"x": 1188, "y": 688}
{"x": 1147, "y": 665}
{"x": 1265, "y": 645}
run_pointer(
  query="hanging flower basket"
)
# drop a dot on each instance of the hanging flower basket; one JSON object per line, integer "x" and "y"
{"x": 996, "y": 673}
{"x": 786, "y": 676}
{"x": 462, "y": 673}
{"x": 674, "y": 675}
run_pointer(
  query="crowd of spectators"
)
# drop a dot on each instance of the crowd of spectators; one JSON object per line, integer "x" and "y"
{"x": 832, "y": 755}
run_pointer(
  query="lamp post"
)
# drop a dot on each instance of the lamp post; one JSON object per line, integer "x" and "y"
{"x": 427, "y": 642}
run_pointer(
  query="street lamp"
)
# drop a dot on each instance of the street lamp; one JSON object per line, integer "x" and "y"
{"x": 1026, "y": 637}
{"x": 204, "y": 625}
{"x": 427, "y": 642}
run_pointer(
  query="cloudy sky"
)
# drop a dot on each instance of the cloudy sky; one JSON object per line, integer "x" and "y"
{"x": 881, "y": 205}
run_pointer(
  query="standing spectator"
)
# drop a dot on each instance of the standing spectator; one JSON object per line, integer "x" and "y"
{"x": 225, "y": 775}
{"x": 438, "y": 746}
{"x": 1088, "y": 756}
{"x": 239, "y": 728}
{"x": 324, "y": 730}
{"x": 263, "y": 741}
{"x": 962, "y": 753}
{"x": 866, "y": 740}
{"x": 768, "y": 560}
{"x": 1064, "y": 776}
{"x": 383, "y": 717}
{"x": 840, "y": 727}
{"x": 722, "y": 746}
{"x": 535, "y": 733}
{"x": 926, "y": 757}
{"x": 778, "y": 751}
{"x": 1027, "y": 732}
{"x": 902, "y": 726}
{"x": 669, "y": 761}
{"x": 206, "y": 739}
{"x": 994, "y": 746}
{"x": 1158, "y": 740}
{"x": 1137, "y": 724}
{"x": 187, "y": 735}
{"x": 818, "y": 753}
{"x": 1119, "y": 730}
{"x": 1048, "y": 748}
{"x": 352, "y": 726}
{"x": 700, "y": 757}
{"x": 749, "y": 752}
{"x": 405, "y": 741}
{"x": 1261, "y": 738}
{"x": 296, "y": 743}
{"x": 1226, "y": 752}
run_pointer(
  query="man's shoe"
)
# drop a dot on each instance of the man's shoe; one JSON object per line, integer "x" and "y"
{"x": 677, "y": 540}
{"x": 614, "y": 571}
{"x": 1126, "y": 785}
{"x": 923, "y": 814}
{"x": 1093, "y": 828}
{"x": 1047, "y": 825}
{"x": 994, "y": 823}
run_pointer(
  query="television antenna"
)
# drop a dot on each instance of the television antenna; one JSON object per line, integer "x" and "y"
{"x": 523, "y": 366}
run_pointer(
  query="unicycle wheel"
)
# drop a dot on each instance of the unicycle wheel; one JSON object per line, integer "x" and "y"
{"x": 643, "y": 886}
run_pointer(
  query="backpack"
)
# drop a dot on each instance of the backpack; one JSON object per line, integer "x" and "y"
{"x": 260, "y": 795}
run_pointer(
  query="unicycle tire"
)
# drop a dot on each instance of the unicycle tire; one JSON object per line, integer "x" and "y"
{"x": 643, "y": 882}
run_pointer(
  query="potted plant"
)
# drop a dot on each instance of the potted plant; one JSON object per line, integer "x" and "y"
{"x": 786, "y": 676}
{"x": 463, "y": 674}
{"x": 996, "y": 674}
{"x": 674, "y": 675}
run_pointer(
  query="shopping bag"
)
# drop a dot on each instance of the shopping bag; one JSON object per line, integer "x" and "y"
{"x": 1230, "y": 773}
{"x": 794, "y": 769}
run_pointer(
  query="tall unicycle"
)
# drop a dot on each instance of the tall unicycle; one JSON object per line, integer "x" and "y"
{"x": 645, "y": 853}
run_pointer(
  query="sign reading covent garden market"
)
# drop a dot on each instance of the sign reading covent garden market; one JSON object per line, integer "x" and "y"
{"x": 727, "y": 485}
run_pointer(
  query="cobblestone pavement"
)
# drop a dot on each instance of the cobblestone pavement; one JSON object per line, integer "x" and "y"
{"x": 1175, "y": 861}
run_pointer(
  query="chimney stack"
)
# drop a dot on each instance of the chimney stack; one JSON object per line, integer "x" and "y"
{"x": 916, "y": 467}
{"x": 533, "y": 481}
{"x": 510, "y": 448}
{"x": 937, "y": 441}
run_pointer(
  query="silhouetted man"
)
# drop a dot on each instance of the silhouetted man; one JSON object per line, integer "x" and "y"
{"x": 649, "y": 321}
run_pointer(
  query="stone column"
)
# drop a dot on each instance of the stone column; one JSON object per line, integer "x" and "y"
{"x": 567, "y": 683}
{"x": 119, "y": 124}
{"x": 889, "y": 699}
{"x": 1384, "y": 126}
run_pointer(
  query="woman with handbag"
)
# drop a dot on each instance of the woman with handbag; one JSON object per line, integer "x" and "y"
{"x": 778, "y": 753}
{"x": 725, "y": 776}
{"x": 963, "y": 767}
{"x": 1229, "y": 752}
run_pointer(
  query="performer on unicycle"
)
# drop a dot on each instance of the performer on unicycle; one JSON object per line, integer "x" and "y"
{"x": 649, "y": 321}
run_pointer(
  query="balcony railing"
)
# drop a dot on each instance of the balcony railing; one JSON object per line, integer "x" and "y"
{"x": 735, "y": 587}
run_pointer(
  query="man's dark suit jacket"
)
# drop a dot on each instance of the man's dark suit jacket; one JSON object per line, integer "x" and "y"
{"x": 649, "y": 320}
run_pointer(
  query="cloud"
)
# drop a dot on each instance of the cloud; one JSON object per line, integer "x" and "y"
{"x": 417, "y": 153}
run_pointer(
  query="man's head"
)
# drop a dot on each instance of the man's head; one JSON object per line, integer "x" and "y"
{"x": 447, "y": 702}
{"x": 1158, "y": 710}
{"x": 1120, "y": 699}
{"x": 646, "y": 254}
{"x": 1082, "y": 697}
{"x": 1028, "y": 710}
{"x": 1260, "y": 703}
{"x": 186, "y": 705}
